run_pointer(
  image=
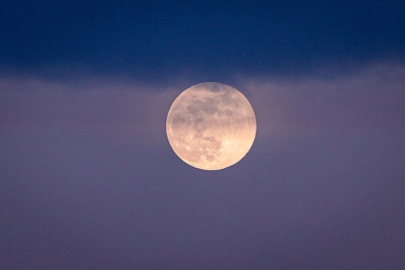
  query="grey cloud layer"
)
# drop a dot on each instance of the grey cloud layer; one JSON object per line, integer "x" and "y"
{"x": 89, "y": 181}
{"x": 371, "y": 98}
{"x": 112, "y": 107}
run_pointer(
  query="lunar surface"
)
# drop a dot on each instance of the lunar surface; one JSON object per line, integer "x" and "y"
{"x": 211, "y": 126}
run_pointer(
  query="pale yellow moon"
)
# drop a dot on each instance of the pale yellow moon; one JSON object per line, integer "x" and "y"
{"x": 211, "y": 126}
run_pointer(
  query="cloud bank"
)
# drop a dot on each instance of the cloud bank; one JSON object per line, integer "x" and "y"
{"x": 371, "y": 98}
{"x": 88, "y": 179}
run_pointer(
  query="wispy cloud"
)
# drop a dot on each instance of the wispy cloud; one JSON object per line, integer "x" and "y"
{"x": 110, "y": 106}
{"x": 371, "y": 98}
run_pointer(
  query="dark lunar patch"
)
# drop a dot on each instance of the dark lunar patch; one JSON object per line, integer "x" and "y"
{"x": 214, "y": 88}
{"x": 227, "y": 99}
{"x": 228, "y": 112}
{"x": 195, "y": 107}
{"x": 211, "y": 107}
{"x": 179, "y": 120}
{"x": 213, "y": 142}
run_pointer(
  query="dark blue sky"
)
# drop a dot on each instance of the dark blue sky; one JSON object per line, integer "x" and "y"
{"x": 88, "y": 179}
{"x": 149, "y": 39}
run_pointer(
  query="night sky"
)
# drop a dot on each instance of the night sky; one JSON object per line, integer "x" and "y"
{"x": 88, "y": 179}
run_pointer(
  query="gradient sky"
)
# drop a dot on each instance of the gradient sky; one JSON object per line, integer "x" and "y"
{"x": 88, "y": 179}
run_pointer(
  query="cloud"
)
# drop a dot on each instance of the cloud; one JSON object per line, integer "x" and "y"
{"x": 89, "y": 180}
{"x": 113, "y": 107}
{"x": 371, "y": 98}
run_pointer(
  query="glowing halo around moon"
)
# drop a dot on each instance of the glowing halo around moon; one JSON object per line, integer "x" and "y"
{"x": 211, "y": 126}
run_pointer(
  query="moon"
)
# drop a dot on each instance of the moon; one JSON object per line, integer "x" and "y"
{"x": 211, "y": 126}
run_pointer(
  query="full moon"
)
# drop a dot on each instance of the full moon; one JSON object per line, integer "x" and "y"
{"x": 211, "y": 126}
